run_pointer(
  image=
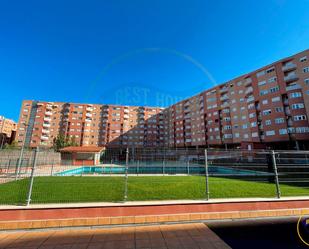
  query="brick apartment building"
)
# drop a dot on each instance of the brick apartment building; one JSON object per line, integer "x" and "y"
{"x": 90, "y": 124}
{"x": 267, "y": 107}
{"x": 7, "y": 131}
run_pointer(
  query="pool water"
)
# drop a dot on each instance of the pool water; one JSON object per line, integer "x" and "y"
{"x": 199, "y": 170}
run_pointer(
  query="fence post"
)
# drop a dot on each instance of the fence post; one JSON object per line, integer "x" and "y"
{"x": 188, "y": 167}
{"x": 52, "y": 169}
{"x": 206, "y": 175}
{"x": 126, "y": 176}
{"x": 32, "y": 175}
{"x": 276, "y": 173}
{"x": 163, "y": 167}
{"x": 20, "y": 161}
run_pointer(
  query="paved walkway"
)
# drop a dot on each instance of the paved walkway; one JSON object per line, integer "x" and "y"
{"x": 179, "y": 236}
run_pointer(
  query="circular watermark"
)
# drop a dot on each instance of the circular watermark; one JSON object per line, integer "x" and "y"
{"x": 303, "y": 229}
{"x": 151, "y": 94}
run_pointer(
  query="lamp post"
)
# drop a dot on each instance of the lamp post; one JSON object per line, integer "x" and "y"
{"x": 21, "y": 153}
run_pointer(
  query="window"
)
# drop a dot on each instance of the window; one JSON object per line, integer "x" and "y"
{"x": 278, "y": 109}
{"x": 267, "y": 112}
{"x": 244, "y": 126}
{"x": 274, "y": 89}
{"x": 264, "y": 101}
{"x": 251, "y": 115}
{"x": 268, "y": 122}
{"x": 270, "y": 133}
{"x": 279, "y": 120}
{"x": 283, "y": 131}
{"x": 302, "y": 129}
{"x": 303, "y": 59}
{"x": 306, "y": 69}
{"x": 253, "y": 124}
{"x": 228, "y": 135}
{"x": 307, "y": 81}
{"x": 298, "y": 106}
{"x": 236, "y": 135}
{"x": 269, "y": 70}
{"x": 263, "y": 92}
{"x": 300, "y": 117}
{"x": 261, "y": 83}
{"x": 295, "y": 95}
{"x": 272, "y": 79}
{"x": 254, "y": 134}
{"x": 276, "y": 99}
{"x": 261, "y": 73}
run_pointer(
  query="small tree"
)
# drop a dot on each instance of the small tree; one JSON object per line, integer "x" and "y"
{"x": 13, "y": 145}
{"x": 62, "y": 141}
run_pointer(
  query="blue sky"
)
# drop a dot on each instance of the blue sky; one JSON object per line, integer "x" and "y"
{"x": 138, "y": 52}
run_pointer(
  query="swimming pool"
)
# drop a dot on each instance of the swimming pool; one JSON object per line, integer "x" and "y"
{"x": 198, "y": 170}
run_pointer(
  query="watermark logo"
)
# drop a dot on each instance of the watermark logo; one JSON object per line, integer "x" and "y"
{"x": 146, "y": 92}
{"x": 303, "y": 229}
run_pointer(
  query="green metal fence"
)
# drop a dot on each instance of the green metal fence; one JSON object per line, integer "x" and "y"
{"x": 157, "y": 175}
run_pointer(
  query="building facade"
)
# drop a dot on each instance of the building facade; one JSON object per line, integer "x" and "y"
{"x": 268, "y": 107}
{"x": 7, "y": 130}
{"x": 90, "y": 124}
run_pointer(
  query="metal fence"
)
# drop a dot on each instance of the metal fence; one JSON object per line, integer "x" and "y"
{"x": 156, "y": 174}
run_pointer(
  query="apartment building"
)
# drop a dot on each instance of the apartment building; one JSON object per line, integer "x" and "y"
{"x": 265, "y": 108}
{"x": 90, "y": 124}
{"x": 7, "y": 130}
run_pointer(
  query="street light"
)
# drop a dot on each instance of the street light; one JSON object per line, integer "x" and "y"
{"x": 21, "y": 152}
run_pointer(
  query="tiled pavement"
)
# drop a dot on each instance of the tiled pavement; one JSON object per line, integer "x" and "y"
{"x": 180, "y": 236}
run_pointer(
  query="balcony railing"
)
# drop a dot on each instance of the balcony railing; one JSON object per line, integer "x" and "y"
{"x": 293, "y": 87}
{"x": 249, "y": 90}
{"x": 288, "y": 66}
{"x": 291, "y": 77}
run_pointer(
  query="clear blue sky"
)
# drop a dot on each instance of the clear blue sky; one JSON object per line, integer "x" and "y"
{"x": 139, "y": 52}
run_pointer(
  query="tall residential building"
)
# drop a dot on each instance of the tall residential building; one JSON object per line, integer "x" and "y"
{"x": 267, "y": 107}
{"x": 90, "y": 124}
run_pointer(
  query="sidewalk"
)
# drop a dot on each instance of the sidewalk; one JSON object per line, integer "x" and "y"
{"x": 180, "y": 236}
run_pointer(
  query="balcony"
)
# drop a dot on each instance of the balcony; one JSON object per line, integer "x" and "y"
{"x": 225, "y": 104}
{"x": 44, "y": 138}
{"x": 288, "y": 67}
{"x": 89, "y": 115}
{"x": 293, "y": 87}
{"x": 47, "y": 119}
{"x": 89, "y": 109}
{"x": 46, "y": 125}
{"x": 290, "y": 78}
{"x": 250, "y": 99}
{"x": 49, "y": 107}
{"x": 248, "y": 82}
{"x": 45, "y": 131}
{"x": 48, "y": 113}
{"x": 249, "y": 90}
{"x": 223, "y": 90}
{"x": 224, "y": 97}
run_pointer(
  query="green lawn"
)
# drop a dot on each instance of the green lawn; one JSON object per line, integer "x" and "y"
{"x": 59, "y": 189}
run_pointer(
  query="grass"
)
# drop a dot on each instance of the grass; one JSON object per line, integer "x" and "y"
{"x": 111, "y": 189}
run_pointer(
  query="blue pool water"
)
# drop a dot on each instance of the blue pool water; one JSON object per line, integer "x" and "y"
{"x": 213, "y": 170}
